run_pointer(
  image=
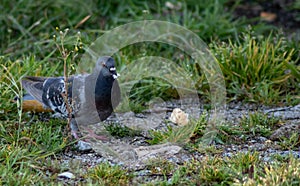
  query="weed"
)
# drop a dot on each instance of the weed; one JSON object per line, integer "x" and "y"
{"x": 67, "y": 56}
{"x": 205, "y": 149}
{"x": 120, "y": 131}
{"x": 258, "y": 123}
{"x": 106, "y": 174}
{"x": 179, "y": 134}
{"x": 291, "y": 142}
{"x": 159, "y": 136}
{"x": 210, "y": 171}
{"x": 256, "y": 68}
{"x": 160, "y": 167}
{"x": 286, "y": 174}
{"x": 245, "y": 163}
{"x": 230, "y": 133}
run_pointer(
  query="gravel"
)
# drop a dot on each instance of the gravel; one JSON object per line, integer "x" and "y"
{"x": 126, "y": 148}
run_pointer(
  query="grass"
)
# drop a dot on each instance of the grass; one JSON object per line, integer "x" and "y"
{"x": 290, "y": 143}
{"x": 243, "y": 168}
{"x": 259, "y": 69}
{"x": 120, "y": 131}
{"x": 180, "y": 134}
{"x": 106, "y": 174}
{"x": 25, "y": 150}
{"x": 260, "y": 64}
{"x": 255, "y": 124}
{"x": 259, "y": 123}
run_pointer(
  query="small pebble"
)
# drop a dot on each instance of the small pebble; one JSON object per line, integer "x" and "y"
{"x": 68, "y": 175}
{"x": 83, "y": 146}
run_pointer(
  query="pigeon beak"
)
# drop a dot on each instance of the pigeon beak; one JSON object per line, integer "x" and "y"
{"x": 115, "y": 76}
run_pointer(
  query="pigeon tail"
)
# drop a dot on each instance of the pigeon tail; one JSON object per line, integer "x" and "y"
{"x": 34, "y": 86}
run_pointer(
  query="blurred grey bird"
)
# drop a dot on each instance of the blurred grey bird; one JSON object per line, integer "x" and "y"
{"x": 91, "y": 97}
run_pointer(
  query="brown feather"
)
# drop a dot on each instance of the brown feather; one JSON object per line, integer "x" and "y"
{"x": 34, "y": 106}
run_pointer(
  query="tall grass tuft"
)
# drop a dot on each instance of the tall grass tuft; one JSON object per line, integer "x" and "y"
{"x": 257, "y": 69}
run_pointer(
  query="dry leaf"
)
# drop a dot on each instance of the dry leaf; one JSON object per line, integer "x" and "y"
{"x": 267, "y": 16}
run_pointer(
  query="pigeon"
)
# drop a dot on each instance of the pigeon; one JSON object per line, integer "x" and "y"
{"x": 90, "y": 99}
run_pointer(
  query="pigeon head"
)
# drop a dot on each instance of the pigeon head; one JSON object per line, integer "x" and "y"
{"x": 107, "y": 67}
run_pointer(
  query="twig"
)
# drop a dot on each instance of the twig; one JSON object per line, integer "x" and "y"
{"x": 69, "y": 109}
{"x": 65, "y": 54}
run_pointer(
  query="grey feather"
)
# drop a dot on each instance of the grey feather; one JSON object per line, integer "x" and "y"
{"x": 34, "y": 86}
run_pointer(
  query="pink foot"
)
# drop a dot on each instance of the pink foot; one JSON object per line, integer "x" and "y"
{"x": 91, "y": 134}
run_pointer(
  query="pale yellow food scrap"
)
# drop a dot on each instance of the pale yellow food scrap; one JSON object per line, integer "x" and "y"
{"x": 179, "y": 117}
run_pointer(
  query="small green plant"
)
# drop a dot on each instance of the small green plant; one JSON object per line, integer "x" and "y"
{"x": 201, "y": 125}
{"x": 161, "y": 167}
{"x": 258, "y": 123}
{"x": 179, "y": 134}
{"x": 245, "y": 163}
{"x": 67, "y": 56}
{"x": 230, "y": 133}
{"x": 106, "y": 174}
{"x": 159, "y": 136}
{"x": 207, "y": 149}
{"x": 121, "y": 131}
{"x": 290, "y": 143}
{"x": 210, "y": 171}
{"x": 286, "y": 173}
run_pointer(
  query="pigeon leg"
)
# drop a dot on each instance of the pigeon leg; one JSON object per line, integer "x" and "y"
{"x": 90, "y": 133}
{"x": 74, "y": 128}
{"x": 81, "y": 145}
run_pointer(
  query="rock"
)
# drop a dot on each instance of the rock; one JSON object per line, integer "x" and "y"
{"x": 154, "y": 151}
{"x": 286, "y": 113}
{"x": 261, "y": 139}
{"x": 68, "y": 175}
{"x": 83, "y": 146}
{"x": 286, "y": 131}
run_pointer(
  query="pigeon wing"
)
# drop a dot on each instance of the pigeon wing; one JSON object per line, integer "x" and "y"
{"x": 34, "y": 86}
{"x": 54, "y": 92}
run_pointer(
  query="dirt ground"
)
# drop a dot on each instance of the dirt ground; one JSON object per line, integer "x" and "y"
{"x": 279, "y": 13}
